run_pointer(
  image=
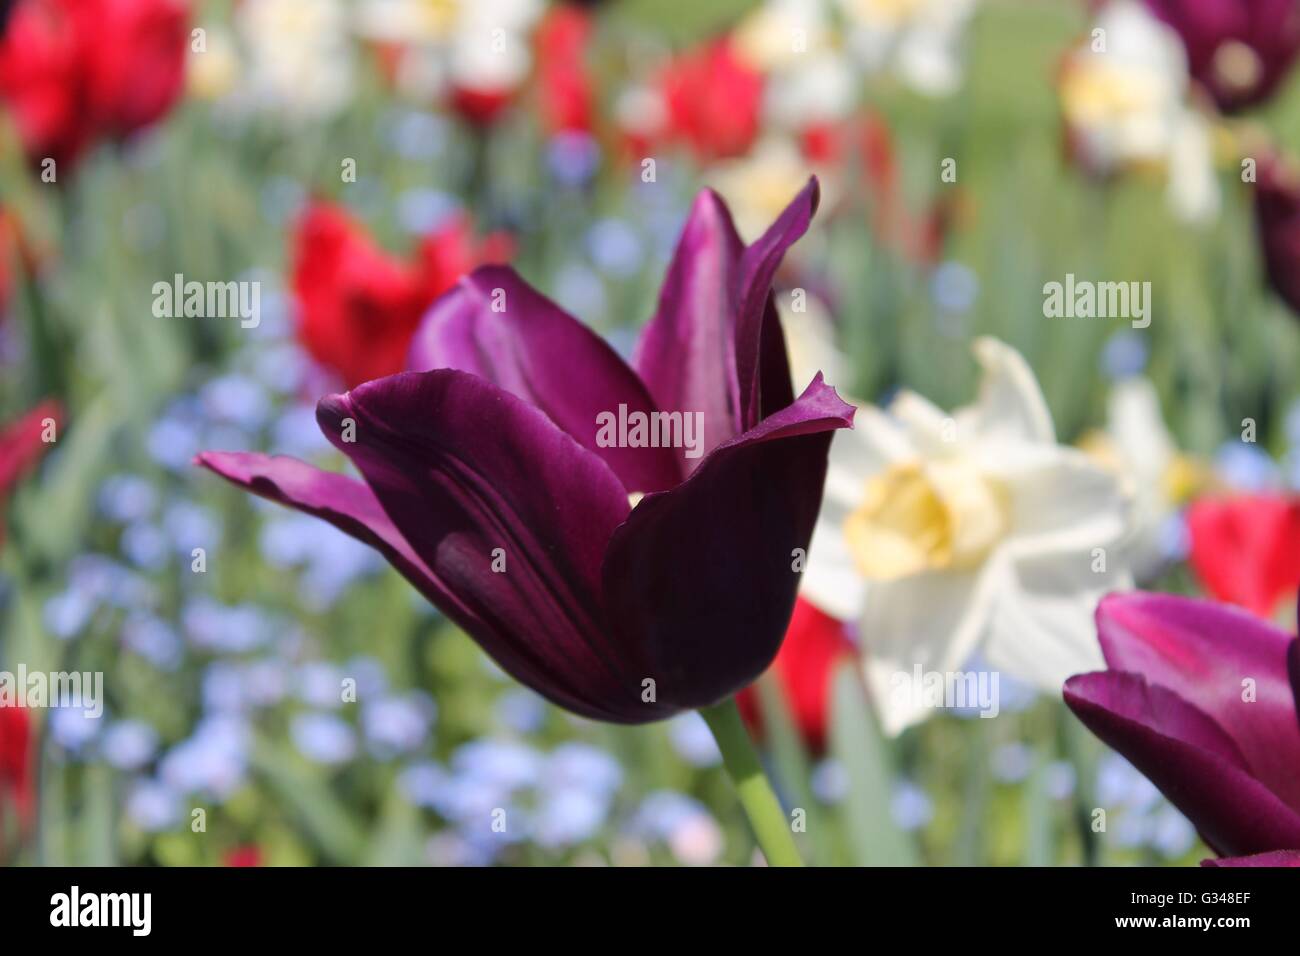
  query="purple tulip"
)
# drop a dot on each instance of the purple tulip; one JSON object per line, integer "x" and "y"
{"x": 1277, "y": 219}
{"x": 585, "y": 569}
{"x": 1238, "y": 50}
{"x": 1202, "y": 698}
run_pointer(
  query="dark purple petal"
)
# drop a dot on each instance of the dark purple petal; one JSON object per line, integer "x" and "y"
{"x": 464, "y": 468}
{"x": 1293, "y": 672}
{"x": 344, "y": 502}
{"x": 701, "y": 577}
{"x": 1275, "y": 858}
{"x": 687, "y": 354}
{"x": 1185, "y": 754}
{"x": 1203, "y": 652}
{"x": 757, "y": 331}
{"x": 1239, "y": 50}
{"x": 537, "y": 351}
{"x": 1277, "y": 222}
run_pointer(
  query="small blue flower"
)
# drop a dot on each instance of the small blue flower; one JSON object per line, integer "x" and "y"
{"x": 576, "y": 764}
{"x": 1171, "y": 834}
{"x": 416, "y": 135}
{"x": 954, "y": 288}
{"x": 212, "y": 762}
{"x": 145, "y": 546}
{"x": 614, "y": 246}
{"x": 66, "y": 614}
{"x": 693, "y": 741}
{"x": 422, "y": 211}
{"x": 320, "y": 685}
{"x": 1244, "y": 465}
{"x": 573, "y": 158}
{"x": 323, "y": 738}
{"x": 1124, "y": 354}
{"x": 153, "y": 806}
{"x": 174, "y": 440}
{"x": 237, "y": 400}
{"x": 129, "y": 744}
{"x": 830, "y": 781}
{"x": 910, "y": 806}
{"x": 397, "y": 725}
{"x": 424, "y": 784}
{"x": 521, "y": 710}
{"x": 127, "y": 498}
{"x": 73, "y": 729}
{"x": 498, "y": 763}
{"x": 569, "y": 816}
{"x": 153, "y": 639}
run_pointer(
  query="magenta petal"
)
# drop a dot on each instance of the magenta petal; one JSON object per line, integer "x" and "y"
{"x": 471, "y": 474}
{"x": 1275, "y": 858}
{"x": 687, "y": 354}
{"x": 495, "y": 325}
{"x": 702, "y": 577}
{"x": 1293, "y": 672}
{"x": 756, "y": 336}
{"x": 1189, "y": 757}
{"x": 1203, "y": 652}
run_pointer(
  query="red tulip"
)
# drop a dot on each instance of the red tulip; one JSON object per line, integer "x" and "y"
{"x": 1277, "y": 221}
{"x": 482, "y": 107}
{"x": 357, "y": 306}
{"x": 21, "y": 444}
{"x": 76, "y": 71}
{"x": 1246, "y": 549}
{"x": 243, "y": 856}
{"x": 814, "y": 643}
{"x": 563, "y": 81}
{"x": 17, "y": 783}
{"x": 712, "y": 98}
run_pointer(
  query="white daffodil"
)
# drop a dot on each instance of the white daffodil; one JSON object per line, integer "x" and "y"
{"x": 946, "y": 535}
{"x": 481, "y": 45}
{"x": 918, "y": 40}
{"x": 1124, "y": 94}
{"x": 298, "y": 54}
{"x": 809, "y": 78}
{"x": 1137, "y": 447}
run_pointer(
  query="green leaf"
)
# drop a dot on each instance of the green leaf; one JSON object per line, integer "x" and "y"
{"x": 857, "y": 744}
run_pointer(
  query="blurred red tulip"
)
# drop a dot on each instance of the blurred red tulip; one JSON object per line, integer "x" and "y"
{"x": 358, "y": 306}
{"x": 814, "y": 643}
{"x": 563, "y": 81}
{"x": 482, "y": 107}
{"x": 21, "y": 444}
{"x": 76, "y": 71}
{"x": 1246, "y": 549}
{"x": 17, "y": 783}
{"x": 242, "y": 856}
{"x": 1277, "y": 219}
{"x": 712, "y": 99}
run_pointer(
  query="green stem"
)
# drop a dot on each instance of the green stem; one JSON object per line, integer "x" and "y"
{"x": 765, "y": 814}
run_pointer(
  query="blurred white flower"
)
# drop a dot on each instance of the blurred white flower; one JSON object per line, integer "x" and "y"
{"x": 298, "y": 57}
{"x": 1124, "y": 94}
{"x": 944, "y": 535}
{"x": 482, "y": 46}
{"x": 917, "y": 40}
{"x": 1137, "y": 447}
